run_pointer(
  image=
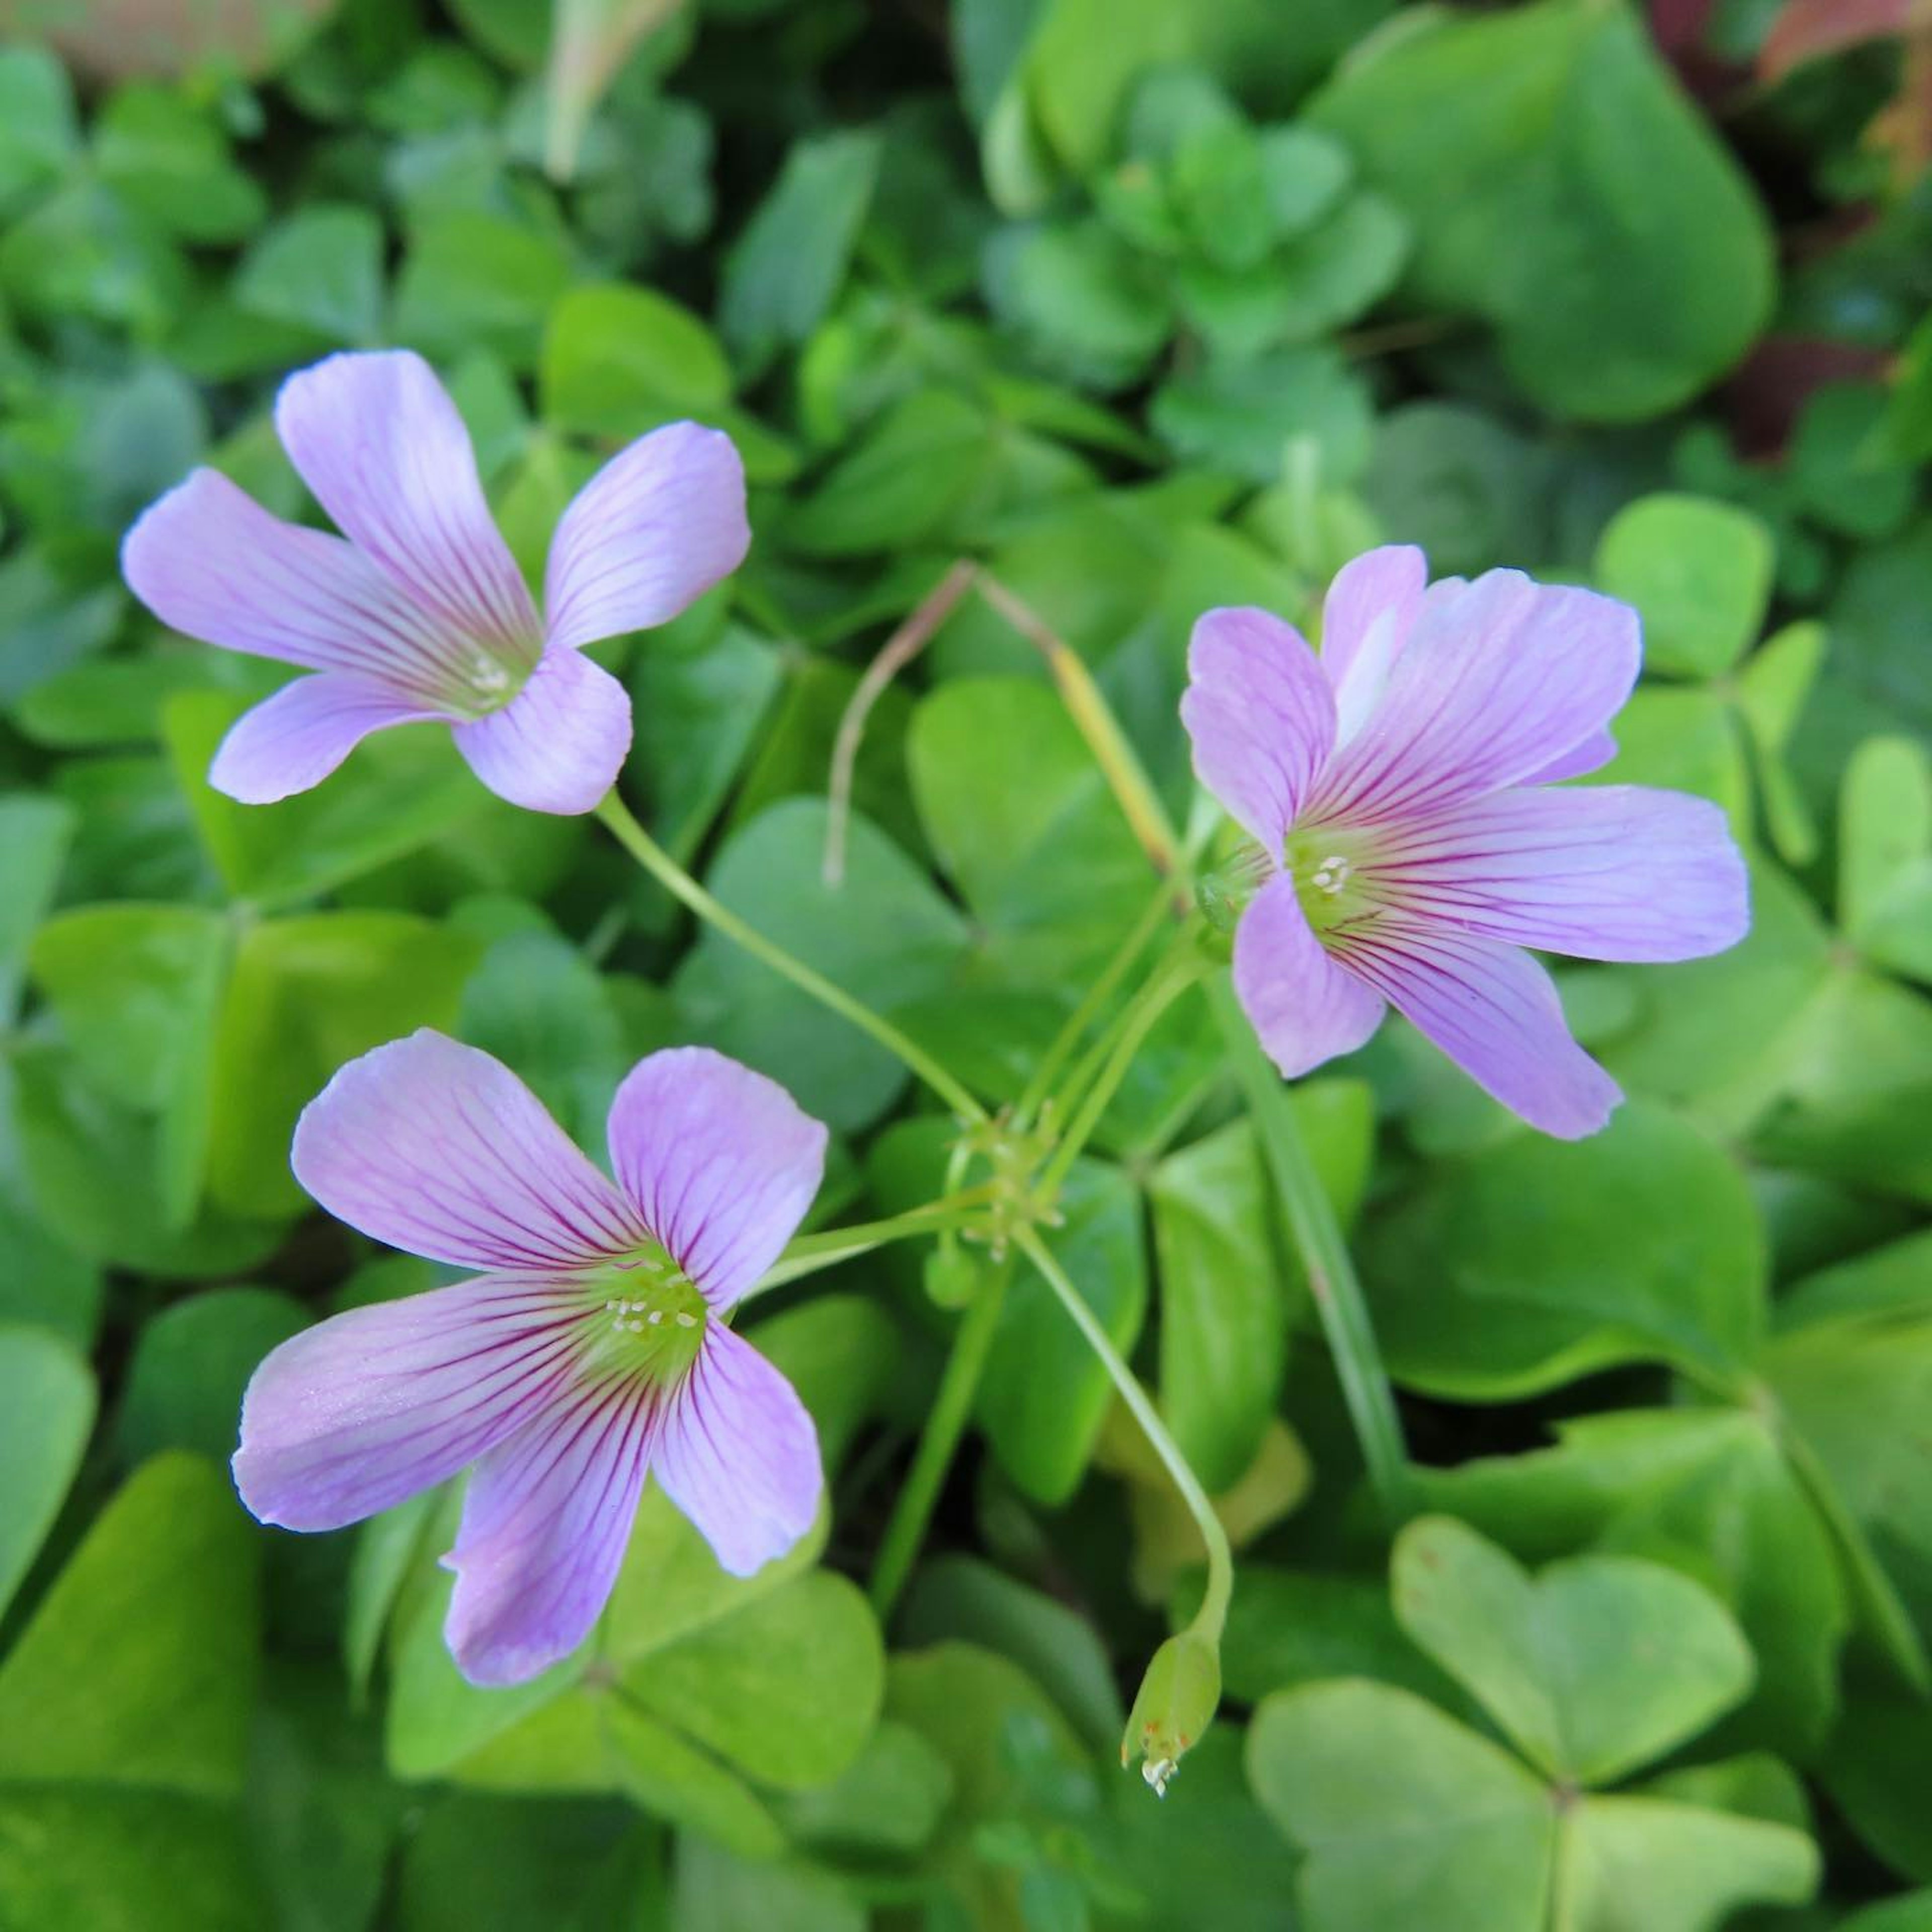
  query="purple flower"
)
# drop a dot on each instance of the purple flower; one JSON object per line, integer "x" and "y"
{"x": 422, "y": 613}
{"x": 1398, "y": 786}
{"x": 593, "y": 1347}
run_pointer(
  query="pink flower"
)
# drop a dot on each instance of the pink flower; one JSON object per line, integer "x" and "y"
{"x": 1400, "y": 787}
{"x": 422, "y": 614}
{"x": 593, "y": 1348}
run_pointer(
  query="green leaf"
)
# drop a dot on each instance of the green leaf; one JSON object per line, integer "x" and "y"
{"x": 1639, "y": 1864}
{"x": 38, "y": 136}
{"x": 308, "y": 995}
{"x": 471, "y": 280}
{"x": 139, "y": 1666}
{"x": 138, "y": 989}
{"x": 1547, "y": 1260}
{"x": 46, "y": 1410}
{"x": 1699, "y": 573}
{"x": 1308, "y": 173}
{"x": 167, "y": 158}
{"x": 1022, "y": 821}
{"x": 1089, "y": 307}
{"x": 33, "y": 835}
{"x": 1405, "y": 1817}
{"x": 1708, "y": 1491}
{"x": 537, "y": 1005}
{"x": 785, "y": 269}
{"x": 618, "y": 360}
{"x": 319, "y": 269}
{"x": 889, "y": 1799}
{"x": 127, "y": 1861}
{"x": 1885, "y": 854}
{"x": 1594, "y": 1668}
{"x": 1562, "y": 188}
{"x": 1044, "y": 1395}
{"x": 190, "y": 1365}
{"x": 1224, "y": 1308}
{"x": 787, "y": 1689}
{"x": 884, "y": 933}
{"x": 902, "y": 484}
{"x": 400, "y": 790}
{"x": 1293, "y": 409}
{"x": 659, "y": 1770}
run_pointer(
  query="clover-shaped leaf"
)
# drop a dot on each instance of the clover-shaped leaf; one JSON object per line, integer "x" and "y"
{"x": 1591, "y": 1668}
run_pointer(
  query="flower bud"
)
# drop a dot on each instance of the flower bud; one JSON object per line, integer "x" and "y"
{"x": 1176, "y": 1704}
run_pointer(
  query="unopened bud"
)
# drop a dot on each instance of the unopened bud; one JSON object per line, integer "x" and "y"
{"x": 1177, "y": 1702}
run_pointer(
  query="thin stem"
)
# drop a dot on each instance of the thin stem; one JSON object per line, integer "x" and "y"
{"x": 682, "y": 886}
{"x": 1119, "y": 1044}
{"x": 1096, "y": 997}
{"x": 1213, "y": 1614}
{"x": 945, "y": 1423}
{"x": 1332, "y": 1280}
{"x": 811, "y": 1253}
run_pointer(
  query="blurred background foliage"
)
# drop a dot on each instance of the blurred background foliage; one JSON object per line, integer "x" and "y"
{"x": 1150, "y": 306}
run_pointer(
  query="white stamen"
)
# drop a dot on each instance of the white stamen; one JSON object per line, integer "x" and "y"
{"x": 686, "y": 1321}
{"x": 657, "y": 1316}
{"x": 1332, "y": 874}
{"x": 1157, "y": 1771}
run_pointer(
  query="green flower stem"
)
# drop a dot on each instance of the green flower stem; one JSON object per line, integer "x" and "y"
{"x": 945, "y": 1423}
{"x": 811, "y": 1253}
{"x": 1209, "y": 1619}
{"x": 1115, "y": 1053}
{"x": 1097, "y": 996}
{"x": 1339, "y": 1299}
{"x": 682, "y": 886}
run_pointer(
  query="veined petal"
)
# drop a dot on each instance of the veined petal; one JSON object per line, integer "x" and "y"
{"x": 1306, "y": 1008}
{"x": 365, "y": 1409}
{"x": 377, "y": 439}
{"x": 294, "y": 739}
{"x": 559, "y": 743}
{"x": 437, "y": 1148}
{"x": 655, "y": 529}
{"x": 1497, "y": 681}
{"x": 545, "y": 1525}
{"x": 1608, "y": 872}
{"x": 739, "y": 1455}
{"x": 212, "y": 563}
{"x": 1366, "y": 619}
{"x": 1492, "y": 1010}
{"x": 1588, "y": 754}
{"x": 721, "y": 1162}
{"x": 1262, "y": 715}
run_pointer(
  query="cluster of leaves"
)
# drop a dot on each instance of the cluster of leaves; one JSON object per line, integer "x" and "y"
{"x": 1059, "y": 290}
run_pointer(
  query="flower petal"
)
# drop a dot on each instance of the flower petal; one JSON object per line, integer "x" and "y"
{"x": 722, "y": 1163}
{"x": 1497, "y": 681}
{"x": 1587, "y": 754}
{"x": 437, "y": 1148}
{"x": 293, "y": 740}
{"x": 367, "y": 1408}
{"x": 212, "y": 563}
{"x": 1366, "y": 619}
{"x": 544, "y": 1525}
{"x": 655, "y": 529}
{"x": 1610, "y": 872}
{"x": 377, "y": 439}
{"x": 1493, "y": 1010}
{"x": 1306, "y": 1008}
{"x": 559, "y": 743}
{"x": 1262, "y": 715}
{"x": 739, "y": 1455}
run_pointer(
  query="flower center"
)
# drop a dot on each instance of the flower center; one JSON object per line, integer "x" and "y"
{"x": 488, "y": 681}
{"x": 1334, "y": 878}
{"x": 645, "y": 1317}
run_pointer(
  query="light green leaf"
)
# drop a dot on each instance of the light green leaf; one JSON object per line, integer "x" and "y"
{"x": 1224, "y": 1303}
{"x": 1699, "y": 573}
{"x": 35, "y": 832}
{"x": 1562, "y": 187}
{"x": 319, "y": 269}
{"x": 1547, "y": 1259}
{"x": 618, "y": 360}
{"x": 46, "y": 1409}
{"x": 1885, "y": 854}
{"x": 1406, "y": 1818}
{"x": 660, "y": 1771}
{"x": 1594, "y": 1668}
{"x": 139, "y": 1666}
